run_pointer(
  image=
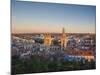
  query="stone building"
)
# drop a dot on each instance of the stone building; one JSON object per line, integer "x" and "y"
{"x": 63, "y": 39}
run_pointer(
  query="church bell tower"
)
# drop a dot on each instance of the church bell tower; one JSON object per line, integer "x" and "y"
{"x": 47, "y": 39}
{"x": 63, "y": 38}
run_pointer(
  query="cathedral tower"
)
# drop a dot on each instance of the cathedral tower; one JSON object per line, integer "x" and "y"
{"x": 63, "y": 38}
{"x": 47, "y": 39}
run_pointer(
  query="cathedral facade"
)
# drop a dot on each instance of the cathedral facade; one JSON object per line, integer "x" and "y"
{"x": 63, "y": 39}
{"x": 47, "y": 39}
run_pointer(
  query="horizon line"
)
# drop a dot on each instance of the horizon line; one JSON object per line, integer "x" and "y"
{"x": 52, "y": 32}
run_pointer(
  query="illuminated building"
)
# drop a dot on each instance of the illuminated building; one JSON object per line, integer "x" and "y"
{"x": 47, "y": 39}
{"x": 63, "y": 38}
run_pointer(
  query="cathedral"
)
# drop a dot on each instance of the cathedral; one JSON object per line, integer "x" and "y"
{"x": 47, "y": 39}
{"x": 63, "y": 39}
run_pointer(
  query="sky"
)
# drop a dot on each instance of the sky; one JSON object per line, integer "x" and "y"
{"x": 39, "y": 17}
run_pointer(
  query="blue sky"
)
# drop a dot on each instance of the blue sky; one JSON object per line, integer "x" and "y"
{"x": 28, "y": 17}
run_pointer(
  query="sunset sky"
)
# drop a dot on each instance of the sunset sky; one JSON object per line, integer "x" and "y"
{"x": 34, "y": 17}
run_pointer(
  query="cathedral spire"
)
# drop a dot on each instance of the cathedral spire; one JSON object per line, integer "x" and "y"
{"x": 63, "y": 38}
{"x": 63, "y": 30}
